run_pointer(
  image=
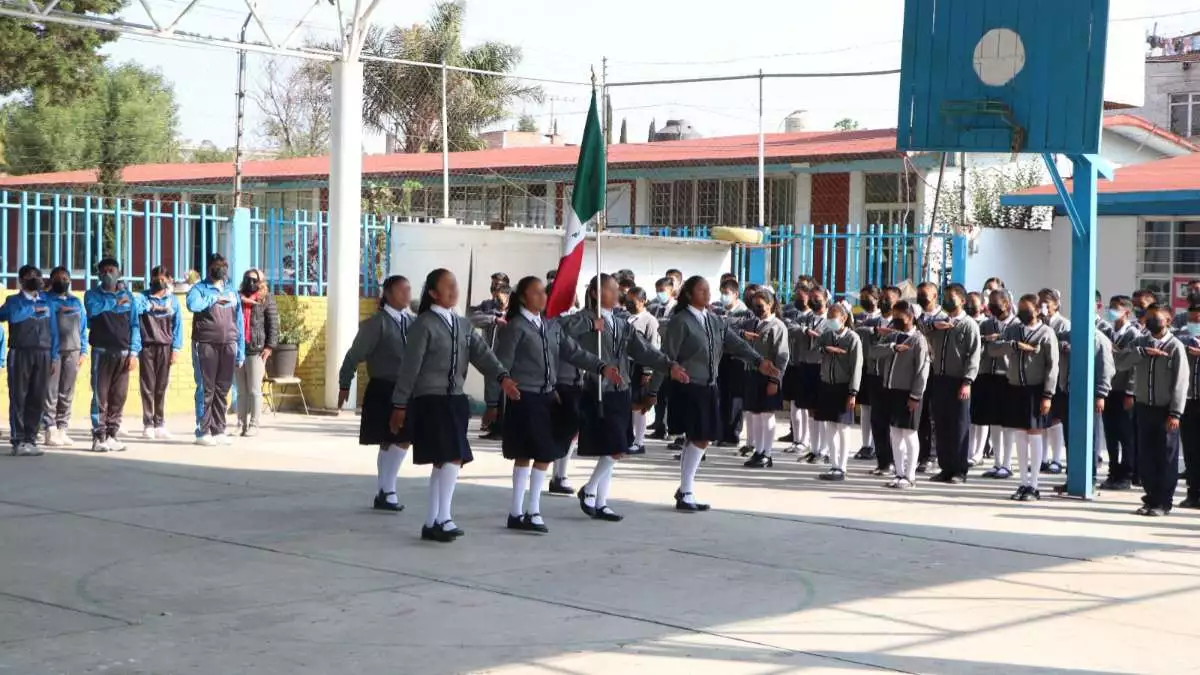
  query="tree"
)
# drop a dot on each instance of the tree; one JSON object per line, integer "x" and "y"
{"x": 846, "y": 124}
{"x": 653, "y": 132}
{"x": 405, "y": 101}
{"x": 624, "y": 131}
{"x": 295, "y": 103}
{"x": 527, "y": 123}
{"x": 128, "y": 117}
{"x": 59, "y": 61}
{"x": 984, "y": 188}
{"x": 608, "y": 120}
{"x": 208, "y": 153}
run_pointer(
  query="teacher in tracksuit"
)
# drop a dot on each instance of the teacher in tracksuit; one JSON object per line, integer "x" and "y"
{"x": 218, "y": 347}
{"x": 32, "y": 358}
{"x": 116, "y": 340}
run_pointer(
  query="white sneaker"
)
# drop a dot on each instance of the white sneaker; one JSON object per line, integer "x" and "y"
{"x": 222, "y": 439}
{"x": 99, "y": 445}
{"x": 206, "y": 440}
{"x": 49, "y": 438}
{"x": 29, "y": 450}
{"x": 115, "y": 445}
{"x": 162, "y": 434}
{"x": 149, "y": 433}
{"x": 64, "y": 440}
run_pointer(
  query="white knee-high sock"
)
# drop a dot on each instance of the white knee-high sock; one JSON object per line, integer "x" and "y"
{"x": 898, "y": 458}
{"x": 1021, "y": 438}
{"x": 592, "y": 488}
{"x": 446, "y": 483}
{"x": 864, "y": 425}
{"x": 688, "y": 465}
{"x": 815, "y": 442}
{"x": 435, "y": 480}
{"x": 912, "y": 450}
{"x": 1099, "y": 444}
{"x": 1037, "y": 451}
{"x": 978, "y": 440}
{"x": 753, "y": 437}
{"x": 639, "y": 428}
{"x": 537, "y": 479}
{"x": 795, "y": 415}
{"x": 1057, "y": 442}
{"x": 1008, "y": 440}
{"x": 841, "y": 445}
{"x": 520, "y": 484}
{"x": 604, "y": 482}
{"x": 560, "y": 465}
{"x": 388, "y": 465}
{"x": 768, "y": 433}
{"x": 807, "y": 429}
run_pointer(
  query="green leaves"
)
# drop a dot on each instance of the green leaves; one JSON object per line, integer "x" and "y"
{"x": 60, "y": 61}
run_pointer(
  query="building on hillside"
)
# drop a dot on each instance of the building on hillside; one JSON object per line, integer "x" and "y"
{"x": 824, "y": 178}
{"x": 1148, "y": 235}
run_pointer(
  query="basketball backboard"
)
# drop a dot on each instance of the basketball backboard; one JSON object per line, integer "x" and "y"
{"x": 1003, "y": 75}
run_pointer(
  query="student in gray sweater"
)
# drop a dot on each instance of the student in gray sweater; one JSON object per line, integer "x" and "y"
{"x": 955, "y": 350}
{"x": 903, "y": 359}
{"x": 990, "y": 388}
{"x": 429, "y": 394}
{"x": 1160, "y": 380}
{"x": 380, "y": 342}
{"x": 762, "y": 395}
{"x": 530, "y": 346}
{"x": 1032, "y": 350}
{"x": 696, "y": 339}
{"x": 841, "y": 377}
{"x": 644, "y": 323}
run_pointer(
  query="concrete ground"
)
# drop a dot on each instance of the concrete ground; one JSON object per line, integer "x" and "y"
{"x": 265, "y": 558}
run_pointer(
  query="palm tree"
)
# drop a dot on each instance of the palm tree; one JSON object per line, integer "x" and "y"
{"x": 404, "y": 102}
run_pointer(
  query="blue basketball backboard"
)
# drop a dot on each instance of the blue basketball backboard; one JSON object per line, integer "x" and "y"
{"x": 1003, "y": 75}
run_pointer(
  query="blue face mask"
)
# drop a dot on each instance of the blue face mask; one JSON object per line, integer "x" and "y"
{"x": 663, "y": 296}
{"x": 1114, "y": 315}
{"x": 1194, "y": 328}
{"x": 835, "y": 325}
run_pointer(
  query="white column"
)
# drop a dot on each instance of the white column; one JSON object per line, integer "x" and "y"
{"x": 315, "y": 202}
{"x": 641, "y": 207}
{"x": 345, "y": 220}
{"x": 802, "y": 215}
{"x": 858, "y": 198}
{"x": 551, "y": 204}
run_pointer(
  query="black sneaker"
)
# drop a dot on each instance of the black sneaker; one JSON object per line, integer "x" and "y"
{"x": 382, "y": 504}
{"x": 746, "y": 450}
{"x": 922, "y": 467}
{"x": 789, "y": 437}
{"x": 1019, "y": 495}
{"x": 811, "y": 458}
{"x": 1190, "y": 503}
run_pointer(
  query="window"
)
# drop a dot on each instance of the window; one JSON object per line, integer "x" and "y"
{"x": 780, "y": 202}
{"x": 731, "y": 202}
{"x": 1185, "y": 114}
{"x": 891, "y": 188}
{"x": 286, "y": 201}
{"x": 708, "y": 202}
{"x": 1167, "y": 249}
{"x": 660, "y": 203}
{"x": 682, "y": 211}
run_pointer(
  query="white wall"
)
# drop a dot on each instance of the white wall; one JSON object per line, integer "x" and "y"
{"x": 1031, "y": 260}
{"x": 474, "y": 253}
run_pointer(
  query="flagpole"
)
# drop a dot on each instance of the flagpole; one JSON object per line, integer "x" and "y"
{"x": 602, "y": 217}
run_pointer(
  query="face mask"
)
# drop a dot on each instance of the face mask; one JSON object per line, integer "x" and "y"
{"x": 1194, "y": 328}
{"x": 816, "y": 305}
{"x": 728, "y": 300}
{"x": 835, "y": 325}
{"x": 885, "y": 306}
{"x": 1139, "y": 312}
{"x": 950, "y": 305}
{"x": 663, "y": 297}
{"x": 801, "y": 303}
{"x": 924, "y": 300}
{"x": 900, "y": 325}
{"x": 108, "y": 280}
{"x": 1154, "y": 324}
{"x": 252, "y": 286}
{"x": 218, "y": 273}
{"x": 32, "y": 284}
{"x": 1114, "y": 315}
{"x": 59, "y": 286}
{"x": 1025, "y": 316}
{"x": 1044, "y": 309}
{"x": 867, "y": 304}
{"x": 160, "y": 285}
{"x": 972, "y": 310}
{"x": 995, "y": 309}
{"x": 760, "y": 311}
{"x": 1194, "y": 298}
{"x": 631, "y": 306}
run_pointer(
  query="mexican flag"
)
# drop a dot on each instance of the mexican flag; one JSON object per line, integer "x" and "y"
{"x": 587, "y": 202}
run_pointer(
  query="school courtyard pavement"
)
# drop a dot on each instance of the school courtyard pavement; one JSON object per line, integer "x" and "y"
{"x": 264, "y": 558}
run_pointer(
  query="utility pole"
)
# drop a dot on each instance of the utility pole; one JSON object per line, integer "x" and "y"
{"x": 241, "y": 117}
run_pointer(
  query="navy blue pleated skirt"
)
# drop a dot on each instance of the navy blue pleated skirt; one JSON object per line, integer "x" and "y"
{"x": 605, "y": 427}
{"x": 694, "y": 410}
{"x": 566, "y": 415}
{"x": 529, "y": 429}
{"x": 871, "y": 389}
{"x": 377, "y": 409}
{"x": 755, "y": 399}
{"x": 1023, "y": 408}
{"x": 808, "y": 392}
{"x": 831, "y": 404}
{"x": 439, "y": 429}
{"x": 988, "y": 394}
{"x": 793, "y": 383}
{"x": 895, "y": 402}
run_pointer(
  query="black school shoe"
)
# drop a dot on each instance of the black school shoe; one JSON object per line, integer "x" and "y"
{"x": 746, "y": 450}
{"x": 865, "y": 453}
{"x": 922, "y": 467}
{"x": 688, "y": 507}
{"x": 676, "y": 443}
{"x": 1190, "y": 503}
{"x": 436, "y": 533}
{"x": 637, "y": 450}
{"x": 589, "y": 511}
{"x": 557, "y": 487}
{"x": 658, "y": 434}
{"x": 942, "y": 477}
{"x": 525, "y": 524}
{"x": 607, "y": 514}
{"x": 382, "y": 504}
{"x": 789, "y": 437}
{"x": 759, "y": 461}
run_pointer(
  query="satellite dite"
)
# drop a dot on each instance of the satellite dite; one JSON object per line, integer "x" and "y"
{"x": 1030, "y": 76}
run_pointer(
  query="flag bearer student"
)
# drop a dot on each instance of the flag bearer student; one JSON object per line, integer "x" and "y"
{"x": 161, "y": 324}
{"x": 696, "y": 340}
{"x": 115, "y": 334}
{"x": 903, "y": 358}
{"x": 807, "y": 350}
{"x": 72, "y": 350}
{"x": 33, "y": 358}
{"x": 1102, "y": 352}
{"x": 1032, "y": 350}
{"x": 218, "y": 348}
{"x": 990, "y": 391}
{"x": 1189, "y": 426}
{"x": 429, "y": 395}
{"x": 731, "y": 372}
{"x": 881, "y": 423}
{"x": 646, "y": 325}
{"x": 380, "y": 342}
{"x": 530, "y": 346}
{"x": 603, "y": 427}
{"x": 955, "y": 350}
{"x": 798, "y": 317}
{"x": 489, "y": 318}
{"x": 1119, "y": 433}
{"x": 763, "y": 395}
{"x": 1056, "y": 444}
{"x": 869, "y": 319}
{"x": 931, "y": 312}
{"x": 1160, "y": 389}
{"x": 841, "y": 380}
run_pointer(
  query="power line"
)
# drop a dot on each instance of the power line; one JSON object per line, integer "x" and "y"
{"x": 755, "y": 76}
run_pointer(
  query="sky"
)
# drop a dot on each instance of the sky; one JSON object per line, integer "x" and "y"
{"x": 560, "y": 39}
